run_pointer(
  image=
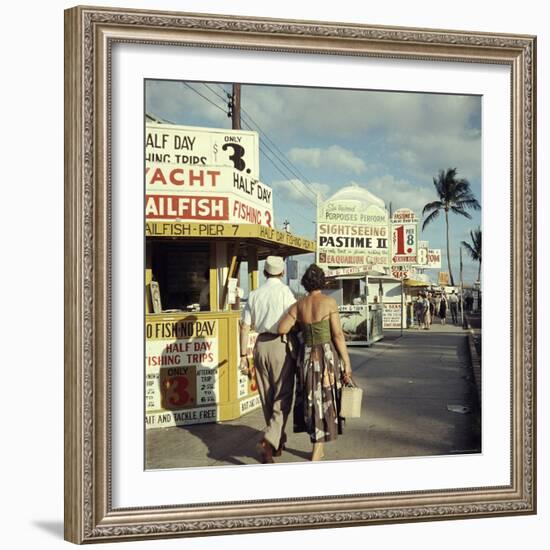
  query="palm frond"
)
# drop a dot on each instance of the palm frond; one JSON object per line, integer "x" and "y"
{"x": 433, "y": 216}
{"x": 461, "y": 212}
{"x": 432, "y": 206}
{"x": 468, "y": 202}
{"x": 474, "y": 248}
{"x": 470, "y": 250}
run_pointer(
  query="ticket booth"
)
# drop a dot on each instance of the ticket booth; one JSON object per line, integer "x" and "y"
{"x": 360, "y": 305}
{"x": 193, "y": 303}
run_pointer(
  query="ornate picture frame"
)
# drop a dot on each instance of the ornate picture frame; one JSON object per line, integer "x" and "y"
{"x": 90, "y": 34}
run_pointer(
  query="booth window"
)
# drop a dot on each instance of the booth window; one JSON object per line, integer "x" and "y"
{"x": 181, "y": 271}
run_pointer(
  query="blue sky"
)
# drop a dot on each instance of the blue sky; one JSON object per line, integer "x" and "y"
{"x": 391, "y": 143}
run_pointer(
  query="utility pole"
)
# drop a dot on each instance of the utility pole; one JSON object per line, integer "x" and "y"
{"x": 236, "y": 107}
{"x": 235, "y": 113}
{"x": 461, "y": 290}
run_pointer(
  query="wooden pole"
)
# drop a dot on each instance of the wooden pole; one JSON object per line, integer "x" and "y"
{"x": 236, "y": 107}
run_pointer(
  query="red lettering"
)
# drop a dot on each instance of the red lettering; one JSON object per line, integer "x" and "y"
{"x": 158, "y": 176}
{"x": 193, "y": 178}
{"x": 173, "y": 174}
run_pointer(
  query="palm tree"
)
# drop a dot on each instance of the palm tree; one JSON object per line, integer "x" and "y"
{"x": 474, "y": 248}
{"x": 454, "y": 196}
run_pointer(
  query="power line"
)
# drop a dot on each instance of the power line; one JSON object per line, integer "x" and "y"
{"x": 204, "y": 97}
{"x": 297, "y": 172}
{"x": 286, "y": 176}
{"x": 288, "y": 165}
{"x": 291, "y": 181}
{"x": 227, "y": 96}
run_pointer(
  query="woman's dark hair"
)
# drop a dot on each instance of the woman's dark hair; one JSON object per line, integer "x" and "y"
{"x": 314, "y": 278}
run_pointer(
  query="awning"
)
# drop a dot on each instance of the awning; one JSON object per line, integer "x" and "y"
{"x": 266, "y": 240}
{"x": 416, "y": 283}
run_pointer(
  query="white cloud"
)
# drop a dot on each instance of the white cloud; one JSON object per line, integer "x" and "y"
{"x": 296, "y": 191}
{"x": 424, "y": 155}
{"x": 400, "y": 192}
{"x": 418, "y": 133}
{"x": 351, "y": 113}
{"x": 175, "y": 101}
{"x": 333, "y": 157}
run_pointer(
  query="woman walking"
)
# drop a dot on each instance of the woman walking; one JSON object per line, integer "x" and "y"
{"x": 443, "y": 309}
{"x": 432, "y": 308}
{"x": 323, "y": 364}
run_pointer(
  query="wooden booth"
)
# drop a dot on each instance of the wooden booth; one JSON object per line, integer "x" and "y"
{"x": 193, "y": 308}
{"x": 359, "y": 302}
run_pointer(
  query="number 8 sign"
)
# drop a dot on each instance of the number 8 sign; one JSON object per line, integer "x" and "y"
{"x": 404, "y": 237}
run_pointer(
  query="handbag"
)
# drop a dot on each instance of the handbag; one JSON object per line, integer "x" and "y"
{"x": 350, "y": 402}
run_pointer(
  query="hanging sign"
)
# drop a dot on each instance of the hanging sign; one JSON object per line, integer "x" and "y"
{"x": 443, "y": 279}
{"x": 350, "y": 234}
{"x": 401, "y": 271}
{"x": 434, "y": 258}
{"x": 181, "y": 365}
{"x": 192, "y": 146}
{"x": 404, "y": 225}
{"x": 204, "y": 174}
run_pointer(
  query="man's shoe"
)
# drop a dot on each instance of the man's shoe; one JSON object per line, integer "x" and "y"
{"x": 266, "y": 452}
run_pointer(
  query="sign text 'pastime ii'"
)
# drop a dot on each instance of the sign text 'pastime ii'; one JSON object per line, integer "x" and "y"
{"x": 350, "y": 236}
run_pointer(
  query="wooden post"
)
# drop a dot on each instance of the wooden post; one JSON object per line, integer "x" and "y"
{"x": 213, "y": 279}
{"x": 233, "y": 268}
{"x": 236, "y": 107}
{"x": 253, "y": 276}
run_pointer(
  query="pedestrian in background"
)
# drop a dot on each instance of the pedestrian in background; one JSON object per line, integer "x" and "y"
{"x": 425, "y": 311}
{"x": 437, "y": 303}
{"x": 431, "y": 300}
{"x": 273, "y": 360}
{"x": 418, "y": 311}
{"x": 323, "y": 362}
{"x": 443, "y": 308}
{"x": 453, "y": 304}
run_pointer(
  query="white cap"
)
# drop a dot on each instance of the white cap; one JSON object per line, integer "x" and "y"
{"x": 274, "y": 265}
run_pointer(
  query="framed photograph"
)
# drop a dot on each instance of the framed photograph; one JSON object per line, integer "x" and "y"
{"x": 260, "y": 214}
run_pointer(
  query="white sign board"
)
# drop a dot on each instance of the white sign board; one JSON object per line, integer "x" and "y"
{"x": 404, "y": 237}
{"x": 181, "y": 372}
{"x": 206, "y": 194}
{"x": 342, "y": 271}
{"x": 392, "y": 315}
{"x": 434, "y": 258}
{"x": 349, "y": 235}
{"x": 204, "y": 174}
{"x": 169, "y": 179}
{"x": 422, "y": 256}
{"x": 189, "y": 146}
{"x": 401, "y": 271}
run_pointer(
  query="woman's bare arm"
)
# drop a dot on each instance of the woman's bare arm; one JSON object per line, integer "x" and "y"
{"x": 288, "y": 320}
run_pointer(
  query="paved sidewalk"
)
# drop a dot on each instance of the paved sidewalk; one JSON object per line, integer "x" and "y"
{"x": 420, "y": 400}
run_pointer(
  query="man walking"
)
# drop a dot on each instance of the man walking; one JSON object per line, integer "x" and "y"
{"x": 274, "y": 365}
{"x": 453, "y": 303}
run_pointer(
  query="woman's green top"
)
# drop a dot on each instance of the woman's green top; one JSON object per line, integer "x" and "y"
{"x": 317, "y": 333}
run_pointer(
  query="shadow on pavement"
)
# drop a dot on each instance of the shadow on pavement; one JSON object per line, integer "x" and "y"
{"x": 226, "y": 442}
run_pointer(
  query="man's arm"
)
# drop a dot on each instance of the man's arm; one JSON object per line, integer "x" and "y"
{"x": 245, "y": 324}
{"x": 244, "y": 332}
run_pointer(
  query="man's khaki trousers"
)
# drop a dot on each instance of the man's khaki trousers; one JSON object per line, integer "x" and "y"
{"x": 275, "y": 378}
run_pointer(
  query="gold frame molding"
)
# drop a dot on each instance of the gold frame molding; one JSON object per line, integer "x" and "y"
{"x": 89, "y": 36}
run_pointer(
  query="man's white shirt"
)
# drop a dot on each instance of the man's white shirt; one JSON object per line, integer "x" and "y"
{"x": 267, "y": 304}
